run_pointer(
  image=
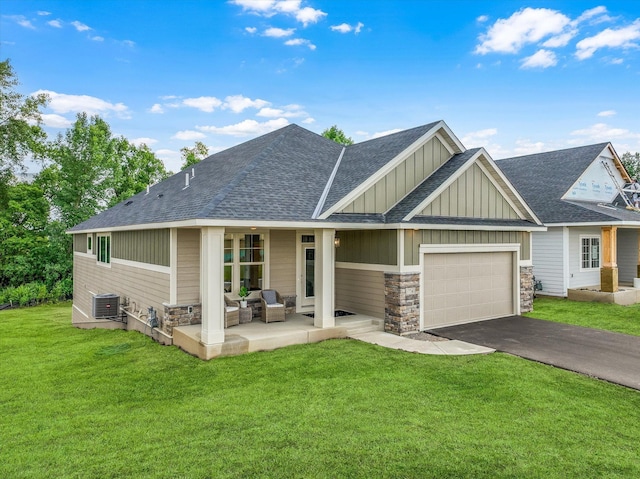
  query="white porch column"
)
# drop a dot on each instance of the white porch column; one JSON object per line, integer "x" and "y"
{"x": 212, "y": 284}
{"x": 324, "y": 278}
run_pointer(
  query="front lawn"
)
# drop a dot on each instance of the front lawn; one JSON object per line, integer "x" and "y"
{"x": 114, "y": 404}
{"x": 610, "y": 317}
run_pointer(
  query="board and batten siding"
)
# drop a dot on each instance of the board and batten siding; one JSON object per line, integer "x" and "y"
{"x": 368, "y": 246}
{"x": 413, "y": 239}
{"x": 548, "y": 262}
{"x": 395, "y": 185}
{"x": 577, "y": 278}
{"x": 472, "y": 195}
{"x": 144, "y": 246}
{"x": 360, "y": 291}
{"x": 188, "y": 266}
{"x": 142, "y": 286}
{"x": 627, "y": 255}
{"x": 282, "y": 261}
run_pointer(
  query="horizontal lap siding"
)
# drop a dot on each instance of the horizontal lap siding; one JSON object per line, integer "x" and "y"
{"x": 360, "y": 291}
{"x": 80, "y": 243}
{"x": 577, "y": 278}
{"x": 548, "y": 263}
{"x": 146, "y": 288}
{"x": 282, "y": 261}
{"x": 188, "y": 267}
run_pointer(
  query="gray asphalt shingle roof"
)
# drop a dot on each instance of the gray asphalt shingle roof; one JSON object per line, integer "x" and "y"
{"x": 542, "y": 179}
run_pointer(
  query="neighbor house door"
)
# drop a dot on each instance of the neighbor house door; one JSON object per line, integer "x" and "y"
{"x": 308, "y": 275}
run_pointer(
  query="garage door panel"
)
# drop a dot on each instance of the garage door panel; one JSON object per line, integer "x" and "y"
{"x": 470, "y": 287}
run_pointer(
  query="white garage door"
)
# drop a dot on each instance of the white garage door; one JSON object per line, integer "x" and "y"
{"x": 465, "y": 287}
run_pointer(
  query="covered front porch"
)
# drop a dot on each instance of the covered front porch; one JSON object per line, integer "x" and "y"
{"x": 258, "y": 336}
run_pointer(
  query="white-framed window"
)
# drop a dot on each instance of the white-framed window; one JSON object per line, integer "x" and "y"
{"x": 589, "y": 252}
{"x": 104, "y": 249}
{"x": 90, "y": 243}
{"x": 244, "y": 261}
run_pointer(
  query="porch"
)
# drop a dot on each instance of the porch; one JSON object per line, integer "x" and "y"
{"x": 259, "y": 336}
{"x": 626, "y": 294}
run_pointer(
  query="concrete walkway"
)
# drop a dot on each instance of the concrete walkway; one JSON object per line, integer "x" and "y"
{"x": 447, "y": 348}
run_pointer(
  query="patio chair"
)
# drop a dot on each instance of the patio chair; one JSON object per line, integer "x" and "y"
{"x": 272, "y": 306}
{"x": 231, "y": 312}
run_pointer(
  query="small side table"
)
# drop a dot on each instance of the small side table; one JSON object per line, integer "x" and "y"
{"x": 246, "y": 315}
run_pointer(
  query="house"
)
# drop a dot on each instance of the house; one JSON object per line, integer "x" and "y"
{"x": 592, "y": 236}
{"x": 411, "y": 228}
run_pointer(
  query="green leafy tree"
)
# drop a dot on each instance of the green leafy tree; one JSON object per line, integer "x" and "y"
{"x": 336, "y": 134}
{"x": 192, "y": 156}
{"x": 23, "y": 234}
{"x": 20, "y": 133}
{"x": 632, "y": 163}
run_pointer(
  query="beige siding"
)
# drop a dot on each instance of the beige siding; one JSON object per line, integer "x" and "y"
{"x": 146, "y": 288}
{"x": 144, "y": 246}
{"x": 80, "y": 243}
{"x": 282, "y": 261}
{"x": 387, "y": 191}
{"x": 188, "y": 267}
{"x": 413, "y": 240}
{"x": 368, "y": 246}
{"x": 472, "y": 195}
{"x": 360, "y": 291}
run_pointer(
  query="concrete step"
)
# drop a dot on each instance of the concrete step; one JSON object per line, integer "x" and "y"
{"x": 368, "y": 326}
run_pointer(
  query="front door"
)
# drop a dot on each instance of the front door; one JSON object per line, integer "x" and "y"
{"x": 308, "y": 275}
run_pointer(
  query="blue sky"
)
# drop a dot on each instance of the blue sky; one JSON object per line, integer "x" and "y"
{"x": 514, "y": 77}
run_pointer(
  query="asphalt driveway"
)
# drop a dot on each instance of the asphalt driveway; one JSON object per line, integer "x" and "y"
{"x": 610, "y": 356}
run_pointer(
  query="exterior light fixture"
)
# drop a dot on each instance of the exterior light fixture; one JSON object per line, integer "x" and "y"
{"x": 336, "y": 242}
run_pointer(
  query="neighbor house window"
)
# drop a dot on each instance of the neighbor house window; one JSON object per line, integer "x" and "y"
{"x": 104, "y": 249}
{"x": 590, "y": 252}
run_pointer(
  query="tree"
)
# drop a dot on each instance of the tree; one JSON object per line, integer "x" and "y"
{"x": 20, "y": 132}
{"x": 632, "y": 163}
{"x": 336, "y": 134}
{"x": 192, "y": 156}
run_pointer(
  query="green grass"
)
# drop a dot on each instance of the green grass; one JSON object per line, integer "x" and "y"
{"x": 113, "y": 404}
{"x": 610, "y": 317}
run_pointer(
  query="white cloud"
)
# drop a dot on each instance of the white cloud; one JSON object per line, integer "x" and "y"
{"x": 308, "y": 15}
{"x": 609, "y": 38}
{"x": 239, "y": 103}
{"x": 561, "y": 40}
{"x": 528, "y": 147}
{"x": 600, "y": 11}
{"x": 143, "y": 141}
{"x": 251, "y": 30}
{"x": 308, "y": 121}
{"x": 288, "y": 111}
{"x": 269, "y": 8}
{"x": 482, "y": 18}
{"x": 171, "y": 159}
{"x": 156, "y": 108}
{"x": 43, "y": 13}
{"x": 63, "y": 103}
{"x": 300, "y": 42}
{"x": 22, "y": 21}
{"x": 346, "y": 28}
{"x": 385, "y": 133}
{"x": 617, "y": 61}
{"x": 128, "y": 43}
{"x": 81, "y": 27}
{"x": 607, "y": 113}
{"x": 540, "y": 59}
{"x": 478, "y": 138}
{"x": 246, "y": 127}
{"x": 601, "y": 132}
{"x": 529, "y": 25}
{"x": 279, "y": 32}
{"x": 97, "y": 38}
{"x": 188, "y": 135}
{"x": 169, "y": 97}
{"x": 203, "y": 103}
{"x": 55, "y": 23}
{"x": 55, "y": 121}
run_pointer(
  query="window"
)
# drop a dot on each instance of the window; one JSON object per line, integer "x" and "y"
{"x": 243, "y": 262}
{"x": 590, "y": 252}
{"x": 89, "y": 243}
{"x": 104, "y": 249}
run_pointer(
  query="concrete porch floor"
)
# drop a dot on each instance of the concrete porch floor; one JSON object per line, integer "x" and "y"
{"x": 626, "y": 296}
{"x": 258, "y": 336}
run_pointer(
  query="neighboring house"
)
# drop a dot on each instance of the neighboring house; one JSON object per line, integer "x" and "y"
{"x": 411, "y": 228}
{"x": 592, "y": 236}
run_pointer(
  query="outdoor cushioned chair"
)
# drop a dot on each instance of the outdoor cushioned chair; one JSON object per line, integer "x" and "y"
{"x": 272, "y": 306}
{"x": 231, "y": 312}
